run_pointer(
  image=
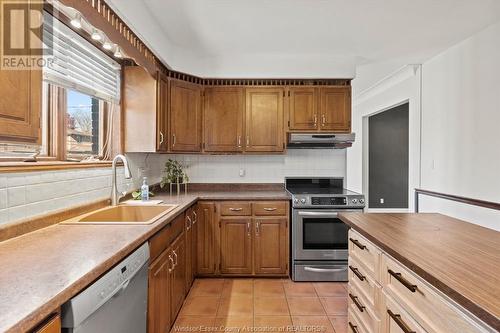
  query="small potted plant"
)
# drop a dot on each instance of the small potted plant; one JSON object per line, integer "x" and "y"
{"x": 174, "y": 174}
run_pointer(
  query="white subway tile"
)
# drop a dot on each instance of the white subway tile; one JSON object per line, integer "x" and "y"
{"x": 3, "y": 181}
{"x": 4, "y": 216}
{"x": 16, "y": 213}
{"x": 16, "y": 179}
{"x": 3, "y": 199}
{"x": 16, "y": 196}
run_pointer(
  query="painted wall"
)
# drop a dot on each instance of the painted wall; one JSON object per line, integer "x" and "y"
{"x": 460, "y": 125}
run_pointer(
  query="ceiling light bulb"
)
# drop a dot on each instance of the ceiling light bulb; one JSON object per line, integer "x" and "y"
{"x": 96, "y": 35}
{"x": 118, "y": 53}
{"x": 107, "y": 46}
{"x": 77, "y": 21}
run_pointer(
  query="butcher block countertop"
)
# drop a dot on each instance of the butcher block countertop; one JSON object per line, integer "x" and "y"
{"x": 460, "y": 259}
{"x": 43, "y": 269}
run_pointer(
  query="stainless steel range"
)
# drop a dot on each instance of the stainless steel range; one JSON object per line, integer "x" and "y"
{"x": 319, "y": 237}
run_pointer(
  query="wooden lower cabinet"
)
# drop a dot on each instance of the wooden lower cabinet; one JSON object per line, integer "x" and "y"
{"x": 236, "y": 245}
{"x": 188, "y": 231}
{"x": 52, "y": 325}
{"x": 178, "y": 290}
{"x": 159, "y": 314}
{"x": 205, "y": 238}
{"x": 271, "y": 245}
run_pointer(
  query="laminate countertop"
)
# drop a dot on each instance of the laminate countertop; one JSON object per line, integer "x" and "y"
{"x": 460, "y": 259}
{"x": 43, "y": 269}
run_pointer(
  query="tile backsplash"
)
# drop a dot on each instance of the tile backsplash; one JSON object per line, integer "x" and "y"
{"x": 245, "y": 168}
{"x": 28, "y": 194}
{"x": 24, "y": 195}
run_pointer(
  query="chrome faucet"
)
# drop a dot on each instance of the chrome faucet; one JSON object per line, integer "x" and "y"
{"x": 115, "y": 195}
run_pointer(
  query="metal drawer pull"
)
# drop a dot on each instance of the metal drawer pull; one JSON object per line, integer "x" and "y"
{"x": 235, "y": 209}
{"x": 324, "y": 270}
{"x": 176, "y": 258}
{"x": 173, "y": 263}
{"x": 269, "y": 209}
{"x": 161, "y": 137}
{"x": 413, "y": 288}
{"x": 189, "y": 223}
{"x": 397, "y": 319}
{"x": 357, "y": 273}
{"x": 257, "y": 228}
{"x": 248, "y": 229}
{"x": 195, "y": 217}
{"x": 354, "y": 328}
{"x": 357, "y": 303}
{"x": 357, "y": 243}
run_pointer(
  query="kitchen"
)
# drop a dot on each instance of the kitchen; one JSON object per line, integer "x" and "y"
{"x": 160, "y": 172}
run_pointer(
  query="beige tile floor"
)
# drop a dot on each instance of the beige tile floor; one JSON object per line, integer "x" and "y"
{"x": 263, "y": 305}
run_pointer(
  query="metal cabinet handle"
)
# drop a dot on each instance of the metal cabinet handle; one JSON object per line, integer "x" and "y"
{"x": 398, "y": 276}
{"x": 174, "y": 140}
{"x": 161, "y": 137}
{"x": 323, "y": 120}
{"x": 189, "y": 223}
{"x": 257, "y": 228}
{"x": 248, "y": 140}
{"x": 172, "y": 262}
{"x": 315, "y": 119}
{"x": 357, "y": 273}
{"x": 239, "y": 141}
{"x": 400, "y": 322}
{"x": 354, "y": 328}
{"x": 357, "y": 243}
{"x": 248, "y": 229}
{"x": 235, "y": 209}
{"x": 176, "y": 258}
{"x": 270, "y": 209}
{"x": 195, "y": 217}
{"x": 360, "y": 306}
{"x": 324, "y": 270}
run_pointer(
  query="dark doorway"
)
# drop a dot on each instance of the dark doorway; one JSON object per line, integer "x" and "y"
{"x": 388, "y": 158}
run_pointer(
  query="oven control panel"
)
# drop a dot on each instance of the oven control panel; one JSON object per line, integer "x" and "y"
{"x": 324, "y": 201}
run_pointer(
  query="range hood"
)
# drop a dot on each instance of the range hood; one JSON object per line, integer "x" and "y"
{"x": 320, "y": 140}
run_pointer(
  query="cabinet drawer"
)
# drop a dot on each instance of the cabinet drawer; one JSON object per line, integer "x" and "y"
{"x": 235, "y": 208}
{"x": 363, "y": 310}
{"x": 270, "y": 208}
{"x": 424, "y": 303}
{"x": 354, "y": 325}
{"x": 365, "y": 283}
{"x": 163, "y": 238}
{"x": 366, "y": 253}
{"x": 396, "y": 320}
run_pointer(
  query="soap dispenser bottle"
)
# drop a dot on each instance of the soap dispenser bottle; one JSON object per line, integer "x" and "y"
{"x": 145, "y": 189}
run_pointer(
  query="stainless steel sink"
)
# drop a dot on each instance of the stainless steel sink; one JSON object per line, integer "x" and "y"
{"x": 124, "y": 214}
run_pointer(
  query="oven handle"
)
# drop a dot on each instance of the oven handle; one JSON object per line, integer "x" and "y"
{"x": 322, "y": 214}
{"x": 324, "y": 270}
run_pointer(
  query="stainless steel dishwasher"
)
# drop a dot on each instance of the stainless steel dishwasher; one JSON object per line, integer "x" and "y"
{"x": 116, "y": 302}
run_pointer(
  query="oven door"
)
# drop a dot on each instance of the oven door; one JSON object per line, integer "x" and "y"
{"x": 319, "y": 235}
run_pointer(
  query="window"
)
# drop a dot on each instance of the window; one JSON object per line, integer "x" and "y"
{"x": 80, "y": 98}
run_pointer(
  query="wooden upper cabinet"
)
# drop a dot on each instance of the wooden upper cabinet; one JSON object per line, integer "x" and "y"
{"x": 145, "y": 107}
{"x": 335, "y": 109}
{"x": 21, "y": 93}
{"x": 236, "y": 245}
{"x": 162, "y": 114}
{"x": 185, "y": 117}
{"x": 303, "y": 110}
{"x": 264, "y": 120}
{"x": 223, "y": 119}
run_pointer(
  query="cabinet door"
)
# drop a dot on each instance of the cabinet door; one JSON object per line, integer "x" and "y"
{"x": 188, "y": 230}
{"x": 303, "y": 111}
{"x": 160, "y": 271}
{"x": 185, "y": 117}
{"x": 264, "y": 120}
{"x": 194, "y": 241}
{"x": 223, "y": 119}
{"x": 178, "y": 283}
{"x": 335, "y": 109}
{"x": 53, "y": 325}
{"x": 205, "y": 238}
{"x": 271, "y": 245}
{"x": 236, "y": 245}
{"x": 162, "y": 113}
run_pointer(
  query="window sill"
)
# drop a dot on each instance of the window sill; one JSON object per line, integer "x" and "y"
{"x": 49, "y": 165}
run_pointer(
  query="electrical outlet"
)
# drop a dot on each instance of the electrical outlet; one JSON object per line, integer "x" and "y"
{"x": 381, "y": 200}
{"x": 242, "y": 172}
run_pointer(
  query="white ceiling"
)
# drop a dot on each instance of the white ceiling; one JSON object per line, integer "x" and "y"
{"x": 306, "y": 38}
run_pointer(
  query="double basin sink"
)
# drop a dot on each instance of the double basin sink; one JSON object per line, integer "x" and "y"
{"x": 123, "y": 215}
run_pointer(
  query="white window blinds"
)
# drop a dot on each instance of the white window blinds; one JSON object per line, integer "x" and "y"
{"x": 77, "y": 64}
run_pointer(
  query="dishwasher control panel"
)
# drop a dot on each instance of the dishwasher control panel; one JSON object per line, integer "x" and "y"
{"x": 111, "y": 283}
